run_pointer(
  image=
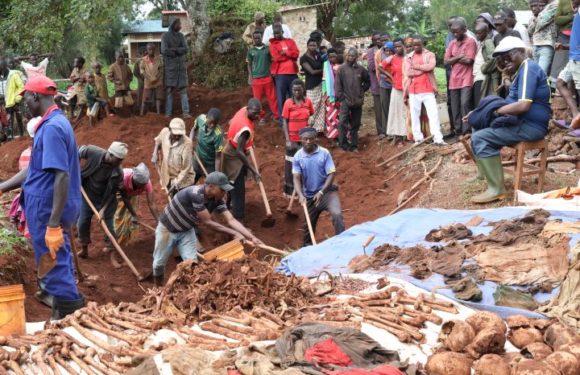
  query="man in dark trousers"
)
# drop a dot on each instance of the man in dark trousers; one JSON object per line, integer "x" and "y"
{"x": 102, "y": 177}
{"x": 352, "y": 80}
{"x": 190, "y": 207}
{"x": 284, "y": 68}
{"x": 174, "y": 49}
{"x": 313, "y": 170}
{"x": 239, "y": 141}
{"x": 375, "y": 46}
{"x": 52, "y": 198}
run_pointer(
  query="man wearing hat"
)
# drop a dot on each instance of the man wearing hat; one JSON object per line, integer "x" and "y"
{"x": 101, "y": 178}
{"x": 52, "y": 198}
{"x": 258, "y": 24}
{"x": 190, "y": 207}
{"x": 176, "y": 170}
{"x": 502, "y": 28}
{"x": 314, "y": 171}
{"x": 136, "y": 182}
{"x": 528, "y": 99}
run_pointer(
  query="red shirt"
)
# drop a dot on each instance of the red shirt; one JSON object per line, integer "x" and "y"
{"x": 420, "y": 84}
{"x": 284, "y": 64}
{"x": 461, "y": 74}
{"x": 128, "y": 184}
{"x": 238, "y": 124}
{"x": 396, "y": 69}
{"x": 297, "y": 116}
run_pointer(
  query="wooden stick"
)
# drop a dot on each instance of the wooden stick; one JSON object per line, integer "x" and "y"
{"x": 309, "y": 223}
{"x": 200, "y": 163}
{"x": 146, "y": 226}
{"x": 267, "y": 248}
{"x": 467, "y": 147}
{"x": 292, "y": 197}
{"x": 261, "y": 185}
{"x": 111, "y": 237}
{"x": 73, "y": 245}
{"x": 403, "y": 204}
{"x": 404, "y": 151}
{"x": 551, "y": 159}
{"x": 427, "y": 175}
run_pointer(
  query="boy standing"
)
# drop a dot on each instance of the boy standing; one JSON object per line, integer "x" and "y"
{"x": 210, "y": 142}
{"x": 259, "y": 61}
{"x": 100, "y": 82}
{"x": 151, "y": 68}
{"x": 77, "y": 77}
{"x": 94, "y": 101}
{"x": 120, "y": 74}
{"x": 14, "y": 86}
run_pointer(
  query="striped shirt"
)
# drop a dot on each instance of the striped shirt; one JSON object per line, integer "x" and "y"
{"x": 180, "y": 215}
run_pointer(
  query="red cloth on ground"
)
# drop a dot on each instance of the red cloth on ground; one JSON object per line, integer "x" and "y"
{"x": 381, "y": 370}
{"x": 327, "y": 352}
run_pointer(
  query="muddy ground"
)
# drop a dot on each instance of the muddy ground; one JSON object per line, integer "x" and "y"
{"x": 364, "y": 193}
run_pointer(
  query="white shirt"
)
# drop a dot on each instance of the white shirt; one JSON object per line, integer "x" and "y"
{"x": 477, "y": 64}
{"x": 523, "y": 33}
{"x": 269, "y": 33}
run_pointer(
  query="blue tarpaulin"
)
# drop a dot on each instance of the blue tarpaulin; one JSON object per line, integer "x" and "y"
{"x": 405, "y": 229}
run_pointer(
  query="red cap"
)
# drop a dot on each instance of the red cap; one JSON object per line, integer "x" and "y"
{"x": 41, "y": 85}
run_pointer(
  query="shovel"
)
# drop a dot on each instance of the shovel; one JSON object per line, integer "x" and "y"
{"x": 309, "y": 223}
{"x": 112, "y": 238}
{"x": 289, "y": 213}
{"x": 200, "y": 164}
{"x": 269, "y": 221}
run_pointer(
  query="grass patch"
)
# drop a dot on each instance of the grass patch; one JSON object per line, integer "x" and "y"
{"x": 10, "y": 241}
{"x": 441, "y": 79}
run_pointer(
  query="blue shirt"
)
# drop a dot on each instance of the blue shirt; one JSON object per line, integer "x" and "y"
{"x": 575, "y": 38}
{"x": 54, "y": 148}
{"x": 531, "y": 84}
{"x": 314, "y": 169}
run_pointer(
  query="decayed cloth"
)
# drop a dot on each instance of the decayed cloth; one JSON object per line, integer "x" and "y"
{"x": 566, "y": 306}
{"x": 317, "y": 120}
{"x": 363, "y": 351}
{"x": 527, "y": 261}
{"x": 176, "y": 166}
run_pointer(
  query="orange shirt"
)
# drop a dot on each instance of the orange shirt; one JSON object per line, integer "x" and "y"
{"x": 420, "y": 84}
{"x": 238, "y": 124}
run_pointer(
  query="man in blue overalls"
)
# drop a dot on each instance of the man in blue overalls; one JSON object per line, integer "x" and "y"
{"x": 51, "y": 197}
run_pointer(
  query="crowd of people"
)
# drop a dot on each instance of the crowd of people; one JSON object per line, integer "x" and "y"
{"x": 498, "y": 89}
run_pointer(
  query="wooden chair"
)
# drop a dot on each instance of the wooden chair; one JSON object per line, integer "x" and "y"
{"x": 521, "y": 168}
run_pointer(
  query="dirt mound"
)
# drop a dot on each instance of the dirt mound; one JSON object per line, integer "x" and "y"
{"x": 217, "y": 287}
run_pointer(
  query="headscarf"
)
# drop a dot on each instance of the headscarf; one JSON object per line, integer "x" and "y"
{"x": 141, "y": 174}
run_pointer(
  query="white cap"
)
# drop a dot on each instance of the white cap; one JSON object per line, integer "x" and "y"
{"x": 507, "y": 44}
{"x": 177, "y": 126}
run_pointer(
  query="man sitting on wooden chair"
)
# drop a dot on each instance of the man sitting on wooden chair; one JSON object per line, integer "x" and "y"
{"x": 529, "y": 100}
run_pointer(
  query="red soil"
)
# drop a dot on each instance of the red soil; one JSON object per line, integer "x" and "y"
{"x": 358, "y": 179}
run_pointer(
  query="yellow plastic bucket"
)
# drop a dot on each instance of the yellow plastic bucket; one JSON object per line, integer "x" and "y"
{"x": 12, "y": 317}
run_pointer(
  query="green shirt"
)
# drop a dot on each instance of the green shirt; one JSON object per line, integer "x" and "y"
{"x": 259, "y": 59}
{"x": 91, "y": 94}
{"x": 209, "y": 142}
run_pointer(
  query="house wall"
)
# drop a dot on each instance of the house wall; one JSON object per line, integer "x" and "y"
{"x": 302, "y": 22}
{"x": 359, "y": 42}
{"x": 135, "y": 41}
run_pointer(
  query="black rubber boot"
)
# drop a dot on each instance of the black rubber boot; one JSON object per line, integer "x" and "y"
{"x": 62, "y": 308}
{"x": 159, "y": 280}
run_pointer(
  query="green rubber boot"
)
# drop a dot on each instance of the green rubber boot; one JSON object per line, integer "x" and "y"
{"x": 480, "y": 176}
{"x": 493, "y": 171}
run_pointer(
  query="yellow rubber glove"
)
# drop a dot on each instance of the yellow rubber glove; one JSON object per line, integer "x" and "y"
{"x": 54, "y": 239}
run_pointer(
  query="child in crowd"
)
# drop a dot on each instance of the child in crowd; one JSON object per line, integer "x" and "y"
{"x": 94, "y": 101}
{"x": 296, "y": 114}
{"x": 77, "y": 77}
{"x": 120, "y": 74}
{"x": 151, "y": 68}
{"x": 100, "y": 82}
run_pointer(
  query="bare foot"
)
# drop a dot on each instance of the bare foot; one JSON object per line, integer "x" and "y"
{"x": 114, "y": 262}
{"x": 575, "y": 122}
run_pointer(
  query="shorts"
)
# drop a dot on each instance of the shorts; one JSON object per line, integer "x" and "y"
{"x": 153, "y": 93}
{"x": 123, "y": 98}
{"x": 94, "y": 110}
{"x": 571, "y": 72}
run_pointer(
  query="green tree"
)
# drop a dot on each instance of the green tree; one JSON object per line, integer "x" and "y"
{"x": 440, "y": 10}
